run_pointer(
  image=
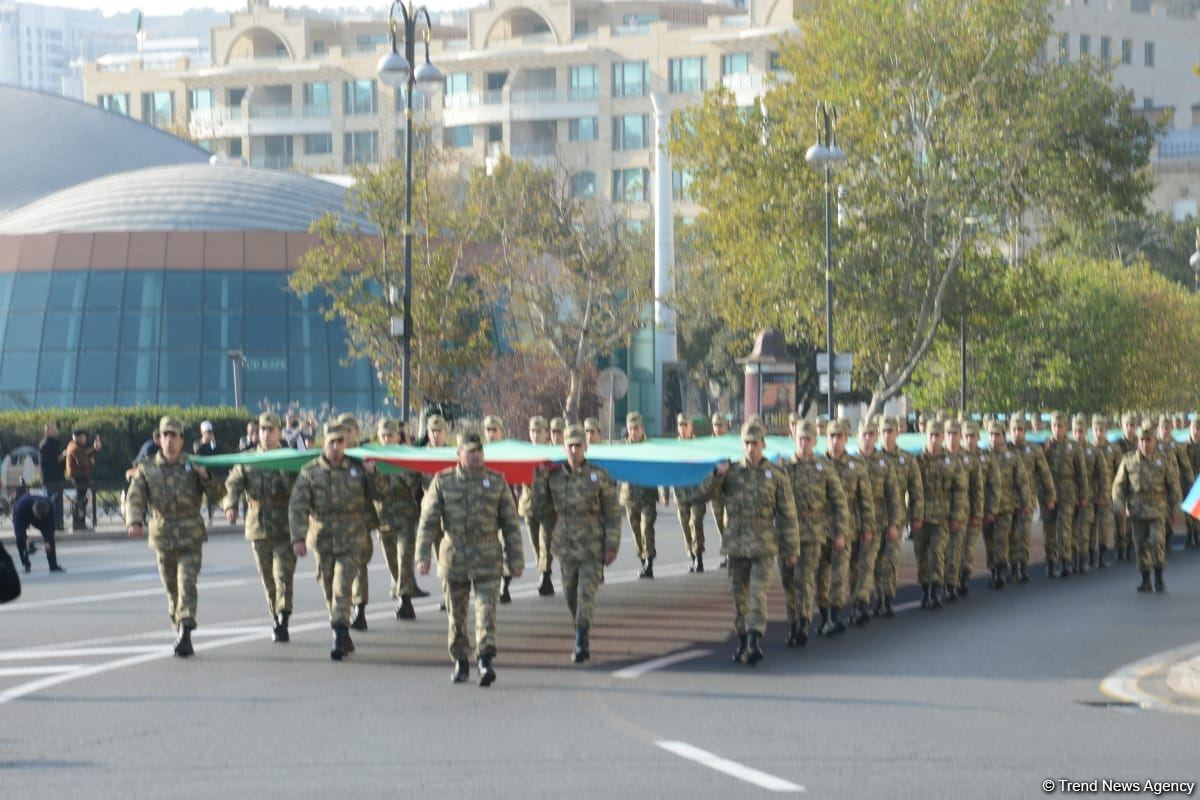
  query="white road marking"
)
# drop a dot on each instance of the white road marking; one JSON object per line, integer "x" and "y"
{"x": 99, "y": 598}
{"x": 76, "y": 652}
{"x": 53, "y": 669}
{"x": 638, "y": 670}
{"x": 731, "y": 768}
{"x": 1125, "y": 686}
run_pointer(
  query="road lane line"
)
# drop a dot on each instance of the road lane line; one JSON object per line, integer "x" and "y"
{"x": 76, "y": 652}
{"x": 638, "y": 670}
{"x": 731, "y": 768}
{"x": 95, "y": 598}
{"x": 55, "y": 669}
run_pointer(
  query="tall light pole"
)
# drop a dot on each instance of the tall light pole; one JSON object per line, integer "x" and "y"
{"x": 395, "y": 69}
{"x": 826, "y": 155}
{"x": 1194, "y": 261}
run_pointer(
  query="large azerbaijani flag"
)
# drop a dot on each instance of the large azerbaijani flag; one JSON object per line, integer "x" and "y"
{"x": 1191, "y": 503}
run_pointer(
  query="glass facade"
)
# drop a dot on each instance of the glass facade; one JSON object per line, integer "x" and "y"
{"x": 134, "y": 337}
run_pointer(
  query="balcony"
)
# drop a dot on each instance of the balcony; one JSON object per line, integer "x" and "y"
{"x": 746, "y": 86}
{"x": 224, "y": 122}
{"x": 272, "y": 161}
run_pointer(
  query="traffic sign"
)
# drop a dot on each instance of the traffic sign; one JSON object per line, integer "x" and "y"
{"x": 842, "y": 362}
{"x": 611, "y": 382}
{"x": 841, "y": 382}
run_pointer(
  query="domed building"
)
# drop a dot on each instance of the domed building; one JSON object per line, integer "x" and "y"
{"x": 165, "y": 285}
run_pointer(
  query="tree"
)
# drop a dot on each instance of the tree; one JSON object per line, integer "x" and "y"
{"x": 354, "y": 266}
{"x": 958, "y": 133}
{"x": 541, "y": 389}
{"x": 575, "y": 280}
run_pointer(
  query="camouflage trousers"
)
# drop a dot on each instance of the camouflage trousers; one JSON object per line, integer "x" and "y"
{"x": 541, "y": 535}
{"x": 276, "y": 562}
{"x": 1148, "y": 534}
{"x": 887, "y": 563}
{"x": 800, "y": 583}
{"x": 1021, "y": 539}
{"x": 458, "y": 597}
{"x": 929, "y": 545}
{"x": 718, "y": 509}
{"x": 1083, "y": 529}
{"x": 336, "y": 570}
{"x": 691, "y": 519}
{"x": 390, "y": 545}
{"x": 997, "y": 542}
{"x": 831, "y": 580}
{"x": 1060, "y": 536}
{"x": 862, "y": 569}
{"x": 641, "y": 521}
{"x": 580, "y": 582}
{"x": 179, "y": 568}
{"x": 748, "y": 582}
{"x": 960, "y": 551}
{"x": 1122, "y": 531}
{"x": 360, "y": 589}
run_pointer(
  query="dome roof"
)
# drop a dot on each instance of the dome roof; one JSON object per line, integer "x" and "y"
{"x": 52, "y": 142}
{"x": 206, "y": 197}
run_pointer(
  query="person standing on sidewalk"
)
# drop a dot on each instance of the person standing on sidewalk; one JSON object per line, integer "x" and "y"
{"x": 52, "y": 459}
{"x": 80, "y": 460}
{"x": 1147, "y": 492}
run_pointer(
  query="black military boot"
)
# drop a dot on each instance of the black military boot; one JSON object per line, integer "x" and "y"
{"x": 487, "y": 675}
{"x": 546, "y": 587}
{"x": 582, "y": 653}
{"x": 347, "y": 642}
{"x": 754, "y": 653}
{"x": 825, "y": 628}
{"x": 505, "y": 595}
{"x": 359, "y": 623}
{"x": 1051, "y": 569}
{"x": 183, "y": 639}
{"x": 462, "y": 671}
{"x": 1066, "y": 568}
{"x": 861, "y": 614}
{"x": 740, "y": 653}
{"x": 924, "y": 595}
{"x": 790, "y": 641}
{"x": 836, "y": 625}
{"x": 800, "y": 632}
{"x": 1100, "y": 559}
{"x": 877, "y": 608}
{"x": 1145, "y": 586}
{"x": 963, "y": 577}
{"x": 1092, "y": 557}
{"x": 699, "y": 563}
{"x": 935, "y": 596}
{"x": 888, "y": 611}
{"x": 648, "y": 570}
{"x": 337, "y": 650}
{"x": 280, "y": 633}
{"x": 998, "y": 578}
{"x": 1129, "y": 551}
{"x": 692, "y": 566}
{"x": 950, "y": 592}
{"x": 1021, "y": 570}
{"x": 1159, "y": 586}
{"x": 404, "y": 609}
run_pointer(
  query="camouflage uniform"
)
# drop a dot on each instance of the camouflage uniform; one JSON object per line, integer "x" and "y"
{"x": 1069, "y": 470}
{"x": 397, "y": 509}
{"x": 1146, "y": 489}
{"x": 1176, "y": 457}
{"x": 470, "y": 507}
{"x": 908, "y": 474}
{"x": 1108, "y": 455}
{"x": 1124, "y": 525}
{"x": 1191, "y": 449}
{"x": 641, "y": 509}
{"x": 171, "y": 494}
{"x": 946, "y": 505}
{"x": 690, "y": 511}
{"x": 717, "y": 504}
{"x": 959, "y": 544}
{"x": 888, "y": 507}
{"x": 833, "y": 574}
{"x": 974, "y": 534}
{"x": 267, "y": 492}
{"x": 1007, "y": 494}
{"x": 540, "y": 534}
{"x": 1039, "y": 475}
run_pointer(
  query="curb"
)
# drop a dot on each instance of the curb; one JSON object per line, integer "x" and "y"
{"x": 1184, "y": 678}
{"x": 1166, "y": 681}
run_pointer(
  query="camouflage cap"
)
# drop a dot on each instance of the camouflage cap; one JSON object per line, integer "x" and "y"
{"x": 470, "y": 441}
{"x": 952, "y": 426}
{"x": 1017, "y": 422}
{"x": 269, "y": 419}
{"x": 1165, "y": 422}
{"x": 1146, "y": 429}
{"x": 170, "y": 424}
{"x": 1099, "y": 419}
{"x": 592, "y": 424}
{"x": 334, "y": 432}
{"x": 889, "y": 424}
{"x": 633, "y": 418}
{"x": 839, "y": 427}
{"x": 1060, "y": 418}
{"x": 1079, "y": 423}
{"x": 575, "y": 435}
{"x": 387, "y": 425}
{"x": 753, "y": 432}
{"x": 719, "y": 419}
{"x": 995, "y": 427}
{"x": 347, "y": 420}
{"x": 682, "y": 419}
{"x": 934, "y": 427}
{"x": 807, "y": 429}
{"x": 558, "y": 424}
{"x": 493, "y": 423}
{"x": 1129, "y": 418}
{"x": 538, "y": 423}
{"x": 970, "y": 428}
{"x": 435, "y": 423}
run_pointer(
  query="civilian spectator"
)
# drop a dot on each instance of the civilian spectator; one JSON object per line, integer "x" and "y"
{"x": 80, "y": 460}
{"x": 149, "y": 449}
{"x": 206, "y": 445}
{"x": 53, "y": 459}
{"x": 33, "y": 511}
{"x": 293, "y": 436}
{"x": 250, "y": 440}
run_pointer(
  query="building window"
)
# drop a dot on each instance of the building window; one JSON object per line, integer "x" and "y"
{"x": 1149, "y": 54}
{"x": 200, "y": 99}
{"x": 458, "y": 83}
{"x": 631, "y": 132}
{"x": 116, "y": 103}
{"x": 630, "y": 78}
{"x": 583, "y": 185}
{"x": 1085, "y": 45}
{"x": 584, "y": 129}
{"x": 681, "y": 186}
{"x": 359, "y": 97}
{"x": 420, "y": 100}
{"x": 774, "y": 63}
{"x": 585, "y": 82}
{"x": 360, "y": 147}
{"x": 1106, "y": 50}
{"x": 735, "y": 63}
{"x": 630, "y": 185}
{"x": 316, "y": 99}
{"x": 319, "y": 47}
{"x": 460, "y": 136}
{"x": 688, "y": 75}
{"x": 158, "y": 108}
{"x": 366, "y": 42}
{"x": 318, "y": 144}
{"x": 1127, "y": 51}
{"x": 234, "y": 147}
{"x": 1064, "y": 48}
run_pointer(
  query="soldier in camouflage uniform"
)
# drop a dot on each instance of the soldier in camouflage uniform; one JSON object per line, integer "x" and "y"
{"x": 822, "y": 515}
{"x": 327, "y": 514}
{"x": 640, "y": 503}
{"x": 267, "y": 492}
{"x": 558, "y": 430}
{"x": 1177, "y": 460}
{"x": 364, "y": 549}
{"x": 1007, "y": 495}
{"x": 437, "y": 434}
{"x": 946, "y": 509}
{"x": 975, "y": 524}
{"x": 583, "y": 499}
{"x": 1065, "y": 459}
{"x": 591, "y": 427}
{"x": 720, "y": 427}
{"x": 171, "y": 492}
{"x": 958, "y": 545}
{"x": 761, "y": 517}
{"x": 1095, "y": 464}
{"x": 888, "y": 507}
{"x": 1192, "y": 449}
{"x": 1146, "y": 490}
{"x": 1108, "y": 456}
{"x": 470, "y": 503}
{"x": 397, "y": 509}
{"x": 834, "y": 570}
{"x": 689, "y": 509}
{"x": 1043, "y": 482}
{"x": 540, "y": 534}
{"x": 908, "y": 476}
{"x": 1123, "y": 525}
{"x": 493, "y": 431}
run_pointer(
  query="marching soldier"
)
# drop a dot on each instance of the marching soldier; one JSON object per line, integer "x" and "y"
{"x": 720, "y": 427}
{"x": 761, "y": 525}
{"x": 887, "y": 506}
{"x": 583, "y": 499}
{"x": 908, "y": 475}
{"x": 327, "y": 514}
{"x": 1102, "y": 522}
{"x": 539, "y": 533}
{"x": 946, "y": 508}
{"x": 172, "y": 492}
{"x": 558, "y": 430}
{"x": 437, "y": 434}
{"x": 364, "y": 549}
{"x": 1039, "y": 475}
{"x": 1192, "y": 448}
{"x": 467, "y": 504}
{"x": 1099, "y": 482}
{"x": 975, "y": 523}
{"x": 1065, "y": 459}
{"x": 834, "y": 571}
{"x": 822, "y": 516}
{"x": 397, "y": 509}
{"x": 591, "y": 427}
{"x": 958, "y": 546}
{"x": 640, "y": 503}
{"x": 493, "y": 431}
{"x": 267, "y": 492}
{"x": 1126, "y": 444}
{"x": 1176, "y": 460}
{"x": 690, "y": 509}
{"x": 1146, "y": 491}
{"x": 1007, "y": 496}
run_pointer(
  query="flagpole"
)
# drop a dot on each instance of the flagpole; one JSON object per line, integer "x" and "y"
{"x": 140, "y": 32}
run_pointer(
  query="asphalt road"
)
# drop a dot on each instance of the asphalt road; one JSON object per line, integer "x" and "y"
{"x": 986, "y": 698}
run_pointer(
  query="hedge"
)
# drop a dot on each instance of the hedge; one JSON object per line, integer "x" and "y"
{"x": 122, "y": 430}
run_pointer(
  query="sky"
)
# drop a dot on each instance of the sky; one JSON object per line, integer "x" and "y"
{"x": 153, "y": 8}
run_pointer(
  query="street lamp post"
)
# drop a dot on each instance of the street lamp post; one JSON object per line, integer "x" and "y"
{"x": 395, "y": 69}
{"x": 1194, "y": 261}
{"x": 826, "y": 155}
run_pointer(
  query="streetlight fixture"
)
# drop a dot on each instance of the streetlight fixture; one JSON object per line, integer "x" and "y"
{"x": 826, "y": 155}
{"x": 395, "y": 69}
